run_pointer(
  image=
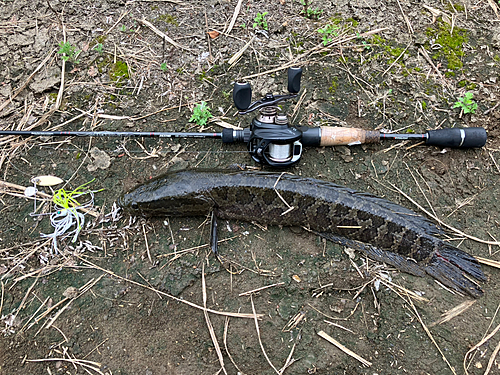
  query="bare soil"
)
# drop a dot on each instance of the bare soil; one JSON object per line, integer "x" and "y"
{"x": 392, "y": 65}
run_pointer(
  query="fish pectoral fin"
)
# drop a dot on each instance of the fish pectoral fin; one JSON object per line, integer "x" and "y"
{"x": 400, "y": 262}
{"x": 213, "y": 232}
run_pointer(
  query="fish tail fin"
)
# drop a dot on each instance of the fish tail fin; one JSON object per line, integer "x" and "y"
{"x": 449, "y": 265}
{"x": 455, "y": 269}
{"x": 462, "y": 260}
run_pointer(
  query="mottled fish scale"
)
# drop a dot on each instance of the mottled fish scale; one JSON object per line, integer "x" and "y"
{"x": 381, "y": 229}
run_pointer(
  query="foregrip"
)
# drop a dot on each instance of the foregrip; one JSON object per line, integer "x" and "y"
{"x": 337, "y": 136}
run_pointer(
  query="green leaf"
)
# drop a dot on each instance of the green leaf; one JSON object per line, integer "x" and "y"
{"x": 201, "y": 114}
{"x": 466, "y": 103}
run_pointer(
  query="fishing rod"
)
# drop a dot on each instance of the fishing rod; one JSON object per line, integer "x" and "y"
{"x": 271, "y": 140}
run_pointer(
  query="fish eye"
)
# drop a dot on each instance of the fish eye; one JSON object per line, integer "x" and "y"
{"x": 134, "y": 205}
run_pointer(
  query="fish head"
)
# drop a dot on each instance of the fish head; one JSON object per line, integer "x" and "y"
{"x": 167, "y": 196}
{"x": 167, "y": 206}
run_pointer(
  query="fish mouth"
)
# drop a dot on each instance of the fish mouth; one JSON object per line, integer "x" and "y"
{"x": 121, "y": 202}
{"x": 127, "y": 204}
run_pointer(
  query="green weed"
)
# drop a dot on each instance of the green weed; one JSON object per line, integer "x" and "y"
{"x": 119, "y": 71}
{"x": 163, "y": 66}
{"x": 328, "y": 32}
{"x": 201, "y": 114}
{"x": 310, "y": 13}
{"x": 261, "y": 21}
{"x": 168, "y": 18}
{"x": 366, "y": 45}
{"x": 68, "y": 52}
{"x": 451, "y": 42}
{"x": 99, "y": 47}
{"x": 466, "y": 103}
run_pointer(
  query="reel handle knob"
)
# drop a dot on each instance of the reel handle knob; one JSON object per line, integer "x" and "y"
{"x": 294, "y": 76}
{"x": 242, "y": 95}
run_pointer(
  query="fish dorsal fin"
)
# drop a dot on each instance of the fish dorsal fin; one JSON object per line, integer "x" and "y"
{"x": 369, "y": 201}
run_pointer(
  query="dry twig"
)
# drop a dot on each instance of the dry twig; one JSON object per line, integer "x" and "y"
{"x": 80, "y": 362}
{"x": 235, "y": 315}
{"x": 258, "y": 335}
{"x": 259, "y": 289}
{"x": 209, "y": 323}
{"x": 431, "y": 337}
{"x": 302, "y": 58}
{"x": 439, "y": 221}
{"x": 162, "y": 34}
{"x": 226, "y": 329}
{"x": 450, "y": 314}
{"x": 235, "y": 16}
{"x": 331, "y": 340}
{"x": 23, "y": 86}
{"x": 478, "y": 345}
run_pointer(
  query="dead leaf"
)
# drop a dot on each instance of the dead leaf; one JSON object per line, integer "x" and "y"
{"x": 92, "y": 71}
{"x": 436, "y": 13}
{"x": 47, "y": 180}
{"x": 213, "y": 34}
{"x": 494, "y": 7}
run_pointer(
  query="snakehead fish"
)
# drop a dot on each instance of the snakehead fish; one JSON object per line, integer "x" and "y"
{"x": 382, "y": 230}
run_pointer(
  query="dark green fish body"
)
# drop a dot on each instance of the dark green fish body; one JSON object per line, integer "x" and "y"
{"x": 381, "y": 229}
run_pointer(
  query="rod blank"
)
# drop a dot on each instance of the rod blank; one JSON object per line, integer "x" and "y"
{"x": 109, "y": 134}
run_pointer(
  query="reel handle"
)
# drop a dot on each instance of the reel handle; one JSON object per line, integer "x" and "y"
{"x": 294, "y": 77}
{"x": 242, "y": 95}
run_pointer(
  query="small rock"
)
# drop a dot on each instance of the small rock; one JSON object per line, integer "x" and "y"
{"x": 3, "y": 50}
{"x": 51, "y": 78}
{"x": 70, "y": 292}
{"x": 24, "y": 39}
{"x": 41, "y": 39}
{"x": 178, "y": 163}
{"x": 100, "y": 160}
{"x": 5, "y": 90}
{"x": 495, "y": 41}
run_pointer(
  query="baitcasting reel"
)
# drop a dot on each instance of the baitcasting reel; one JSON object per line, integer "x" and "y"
{"x": 270, "y": 140}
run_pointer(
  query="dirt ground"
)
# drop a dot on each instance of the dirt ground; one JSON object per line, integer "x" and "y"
{"x": 127, "y": 296}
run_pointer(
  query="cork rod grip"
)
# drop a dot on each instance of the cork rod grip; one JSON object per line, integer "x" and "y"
{"x": 336, "y": 136}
